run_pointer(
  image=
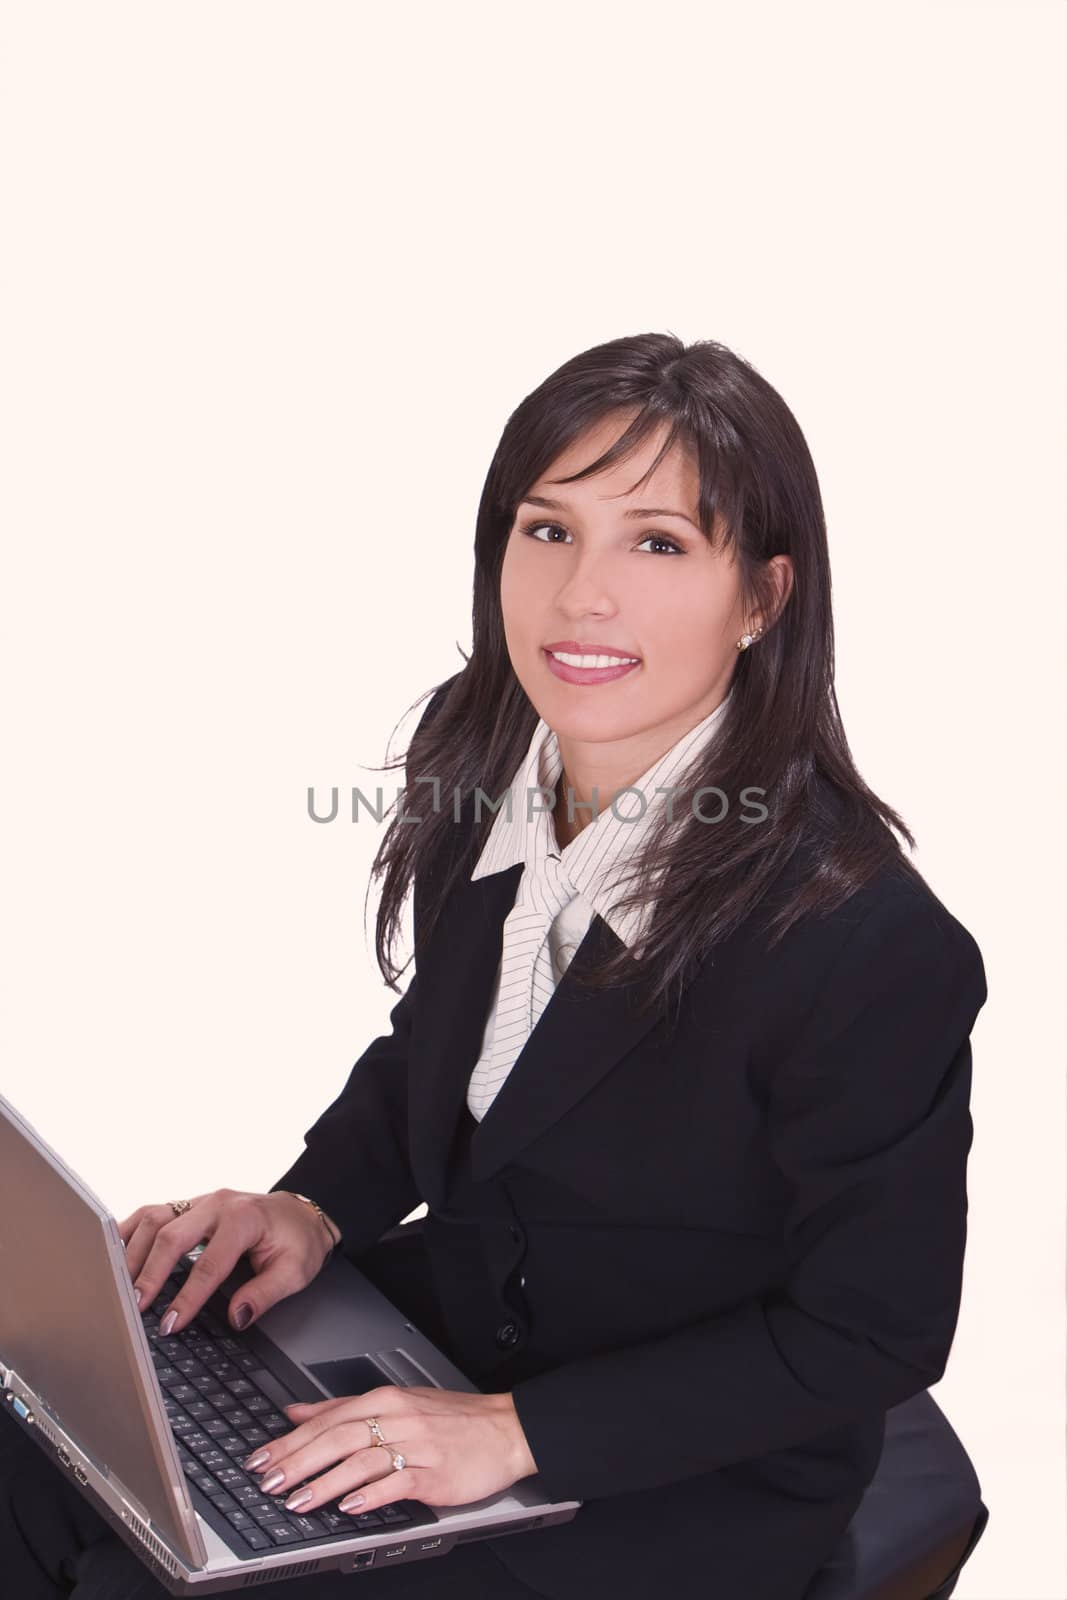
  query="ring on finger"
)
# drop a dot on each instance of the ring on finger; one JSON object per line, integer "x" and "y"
{"x": 376, "y": 1432}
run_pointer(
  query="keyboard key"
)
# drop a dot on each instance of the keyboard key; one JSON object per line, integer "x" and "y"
{"x": 282, "y": 1533}
{"x": 191, "y": 1367}
{"x": 255, "y": 1538}
{"x": 338, "y": 1521}
{"x": 248, "y": 1494}
{"x": 394, "y": 1514}
{"x": 308, "y": 1525}
{"x": 366, "y": 1519}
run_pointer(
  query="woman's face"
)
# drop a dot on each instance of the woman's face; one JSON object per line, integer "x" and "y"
{"x": 589, "y": 572}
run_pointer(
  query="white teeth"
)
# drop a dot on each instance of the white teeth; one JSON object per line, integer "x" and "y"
{"x": 593, "y": 661}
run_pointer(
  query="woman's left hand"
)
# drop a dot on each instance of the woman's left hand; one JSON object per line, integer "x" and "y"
{"x": 456, "y": 1447}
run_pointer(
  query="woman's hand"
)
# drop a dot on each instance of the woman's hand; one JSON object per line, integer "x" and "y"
{"x": 457, "y": 1448}
{"x": 284, "y": 1239}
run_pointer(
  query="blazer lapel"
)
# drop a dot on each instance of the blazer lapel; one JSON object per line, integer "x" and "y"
{"x": 578, "y": 1038}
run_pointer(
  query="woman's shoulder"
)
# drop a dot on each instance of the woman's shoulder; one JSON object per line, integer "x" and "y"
{"x": 892, "y": 942}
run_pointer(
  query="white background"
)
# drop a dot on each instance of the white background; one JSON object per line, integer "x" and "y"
{"x": 273, "y": 277}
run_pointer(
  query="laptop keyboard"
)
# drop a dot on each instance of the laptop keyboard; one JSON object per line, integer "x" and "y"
{"x": 223, "y": 1403}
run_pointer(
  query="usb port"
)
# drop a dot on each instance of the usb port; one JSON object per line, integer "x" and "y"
{"x": 430, "y": 1544}
{"x": 397, "y": 1550}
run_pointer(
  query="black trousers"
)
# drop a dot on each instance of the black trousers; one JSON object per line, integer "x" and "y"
{"x": 52, "y": 1541}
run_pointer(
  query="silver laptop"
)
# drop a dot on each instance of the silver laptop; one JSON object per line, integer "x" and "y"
{"x": 152, "y": 1431}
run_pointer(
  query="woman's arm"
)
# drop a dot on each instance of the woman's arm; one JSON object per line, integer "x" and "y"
{"x": 355, "y": 1162}
{"x": 868, "y": 1119}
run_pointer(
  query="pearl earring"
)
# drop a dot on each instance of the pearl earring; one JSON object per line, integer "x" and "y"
{"x": 748, "y": 638}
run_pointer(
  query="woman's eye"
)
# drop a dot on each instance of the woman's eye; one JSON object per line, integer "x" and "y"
{"x": 534, "y": 529}
{"x": 660, "y": 538}
{"x": 537, "y": 529}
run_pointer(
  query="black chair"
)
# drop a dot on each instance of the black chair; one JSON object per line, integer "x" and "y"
{"x": 918, "y": 1522}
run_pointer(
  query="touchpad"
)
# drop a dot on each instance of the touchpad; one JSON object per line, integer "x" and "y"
{"x": 350, "y": 1375}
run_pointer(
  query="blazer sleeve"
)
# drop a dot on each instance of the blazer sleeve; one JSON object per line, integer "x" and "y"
{"x": 867, "y": 1117}
{"x": 355, "y": 1161}
{"x": 355, "y": 1158}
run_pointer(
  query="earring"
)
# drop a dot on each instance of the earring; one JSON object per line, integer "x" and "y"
{"x": 748, "y": 638}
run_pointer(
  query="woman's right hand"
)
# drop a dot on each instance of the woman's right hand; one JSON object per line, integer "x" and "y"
{"x": 284, "y": 1238}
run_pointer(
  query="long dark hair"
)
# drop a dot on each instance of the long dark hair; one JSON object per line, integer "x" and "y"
{"x": 781, "y": 731}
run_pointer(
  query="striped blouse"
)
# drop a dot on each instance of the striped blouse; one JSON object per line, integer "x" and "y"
{"x": 590, "y": 862}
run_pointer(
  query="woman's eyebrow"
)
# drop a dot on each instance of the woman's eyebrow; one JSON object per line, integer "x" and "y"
{"x": 639, "y": 511}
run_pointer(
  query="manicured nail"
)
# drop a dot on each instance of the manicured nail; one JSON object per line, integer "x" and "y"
{"x": 350, "y": 1502}
{"x": 168, "y": 1322}
{"x": 295, "y": 1501}
{"x": 137, "y": 1296}
{"x": 260, "y": 1459}
{"x": 242, "y": 1316}
{"x": 275, "y": 1481}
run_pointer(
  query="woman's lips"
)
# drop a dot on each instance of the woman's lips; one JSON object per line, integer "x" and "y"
{"x": 589, "y": 675}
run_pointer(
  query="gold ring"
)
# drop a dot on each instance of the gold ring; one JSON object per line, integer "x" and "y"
{"x": 379, "y": 1438}
{"x": 178, "y": 1206}
{"x": 399, "y": 1461}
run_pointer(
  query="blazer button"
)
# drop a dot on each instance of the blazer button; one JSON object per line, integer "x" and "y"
{"x": 507, "y": 1335}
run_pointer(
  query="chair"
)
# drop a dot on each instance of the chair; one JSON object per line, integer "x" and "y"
{"x": 919, "y": 1520}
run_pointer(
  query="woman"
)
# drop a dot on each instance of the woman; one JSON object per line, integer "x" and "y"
{"x": 683, "y": 1074}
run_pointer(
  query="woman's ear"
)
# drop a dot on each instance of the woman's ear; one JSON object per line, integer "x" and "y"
{"x": 778, "y": 581}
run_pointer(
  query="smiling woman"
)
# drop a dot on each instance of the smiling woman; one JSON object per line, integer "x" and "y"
{"x": 684, "y": 1087}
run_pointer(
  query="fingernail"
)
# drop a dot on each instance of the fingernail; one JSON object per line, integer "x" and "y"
{"x": 295, "y": 1501}
{"x": 350, "y": 1502}
{"x": 137, "y": 1296}
{"x": 242, "y": 1316}
{"x": 275, "y": 1481}
{"x": 168, "y": 1322}
{"x": 260, "y": 1459}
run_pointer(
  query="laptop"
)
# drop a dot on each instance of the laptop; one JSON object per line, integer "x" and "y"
{"x": 153, "y": 1431}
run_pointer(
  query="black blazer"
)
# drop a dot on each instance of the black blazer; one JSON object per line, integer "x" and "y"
{"x": 705, "y": 1254}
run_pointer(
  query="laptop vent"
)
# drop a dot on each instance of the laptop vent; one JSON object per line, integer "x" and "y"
{"x": 43, "y": 1425}
{"x": 164, "y": 1560}
{"x": 272, "y": 1574}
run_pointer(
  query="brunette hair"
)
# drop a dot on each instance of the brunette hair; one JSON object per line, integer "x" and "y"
{"x": 781, "y": 730}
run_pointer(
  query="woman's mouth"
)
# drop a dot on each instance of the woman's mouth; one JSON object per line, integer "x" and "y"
{"x": 587, "y": 667}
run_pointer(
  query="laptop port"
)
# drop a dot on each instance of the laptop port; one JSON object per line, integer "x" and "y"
{"x": 364, "y": 1559}
{"x": 430, "y": 1544}
{"x": 63, "y": 1456}
{"x": 397, "y": 1550}
{"x": 82, "y": 1477}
